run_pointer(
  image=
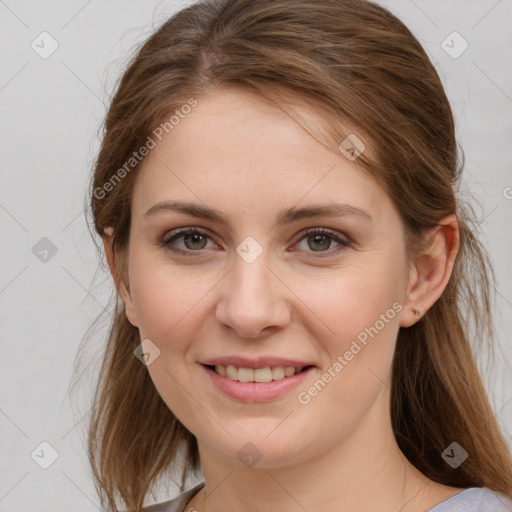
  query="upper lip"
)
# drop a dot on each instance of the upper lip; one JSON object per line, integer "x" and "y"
{"x": 259, "y": 362}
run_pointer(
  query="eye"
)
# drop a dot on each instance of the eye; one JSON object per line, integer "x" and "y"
{"x": 319, "y": 240}
{"x": 192, "y": 240}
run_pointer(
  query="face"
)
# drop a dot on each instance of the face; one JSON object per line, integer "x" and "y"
{"x": 253, "y": 246}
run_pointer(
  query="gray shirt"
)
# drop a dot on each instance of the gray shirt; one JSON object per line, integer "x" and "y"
{"x": 473, "y": 499}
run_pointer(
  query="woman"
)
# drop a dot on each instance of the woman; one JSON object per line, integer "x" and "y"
{"x": 297, "y": 280}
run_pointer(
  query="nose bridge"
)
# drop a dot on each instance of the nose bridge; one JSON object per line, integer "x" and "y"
{"x": 252, "y": 297}
{"x": 252, "y": 280}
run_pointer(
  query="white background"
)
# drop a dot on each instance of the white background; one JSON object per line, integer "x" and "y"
{"x": 51, "y": 110}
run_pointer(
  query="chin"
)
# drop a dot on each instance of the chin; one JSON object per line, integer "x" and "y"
{"x": 263, "y": 450}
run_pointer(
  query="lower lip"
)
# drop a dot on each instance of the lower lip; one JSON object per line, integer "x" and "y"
{"x": 257, "y": 391}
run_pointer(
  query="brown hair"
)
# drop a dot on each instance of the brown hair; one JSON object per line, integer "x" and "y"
{"x": 359, "y": 63}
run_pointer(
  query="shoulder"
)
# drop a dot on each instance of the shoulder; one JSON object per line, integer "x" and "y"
{"x": 475, "y": 499}
{"x": 177, "y": 504}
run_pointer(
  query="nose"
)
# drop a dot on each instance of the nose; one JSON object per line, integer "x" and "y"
{"x": 253, "y": 300}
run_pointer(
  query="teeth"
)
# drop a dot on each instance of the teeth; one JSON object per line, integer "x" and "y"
{"x": 266, "y": 374}
{"x": 289, "y": 371}
{"x": 263, "y": 375}
{"x": 278, "y": 373}
{"x": 231, "y": 372}
{"x": 245, "y": 375}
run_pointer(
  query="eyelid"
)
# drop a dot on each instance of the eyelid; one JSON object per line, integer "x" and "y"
{"x": 185, "y": 231}
{"x": 177, "y": 233}
{"x": 324, "y": 231}
{"x": 342, "y": 240}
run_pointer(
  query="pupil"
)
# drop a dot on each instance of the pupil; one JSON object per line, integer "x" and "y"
{"x": 319, "y": 238}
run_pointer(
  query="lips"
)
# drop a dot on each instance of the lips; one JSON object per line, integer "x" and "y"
{"x": 252, "y": 391}
{"x": 260, "y": 371}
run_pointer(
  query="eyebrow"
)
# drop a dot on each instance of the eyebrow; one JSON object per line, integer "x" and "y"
{"x": 286, "y": 216}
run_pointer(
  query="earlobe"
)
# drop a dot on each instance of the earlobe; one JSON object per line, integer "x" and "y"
{"x": 121, "y": 287}
{"x": 432, "y": 269}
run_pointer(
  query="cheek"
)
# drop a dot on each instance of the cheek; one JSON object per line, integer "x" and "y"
{"x": 166, "y": 298}
{"x": 356, "y": 323}
{"x": 345, "y": 303}
{"x": 169, "y": 303}
{"x": 356, "y": 374}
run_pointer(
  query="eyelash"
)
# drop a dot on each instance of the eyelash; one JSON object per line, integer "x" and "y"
{"x": 166, "y": 241}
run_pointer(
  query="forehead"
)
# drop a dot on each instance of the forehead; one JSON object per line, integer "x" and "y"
{"x": 242, "y": 151}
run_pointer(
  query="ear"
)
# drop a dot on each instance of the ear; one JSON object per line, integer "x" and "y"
{"x": 123, "y": 289}
{"x": 431, "y": 271}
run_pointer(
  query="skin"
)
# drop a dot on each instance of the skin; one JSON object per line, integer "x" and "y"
{"x": 307, "y": 300}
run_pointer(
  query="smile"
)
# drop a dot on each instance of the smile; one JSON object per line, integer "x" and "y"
{"x": 257, "y": 384}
